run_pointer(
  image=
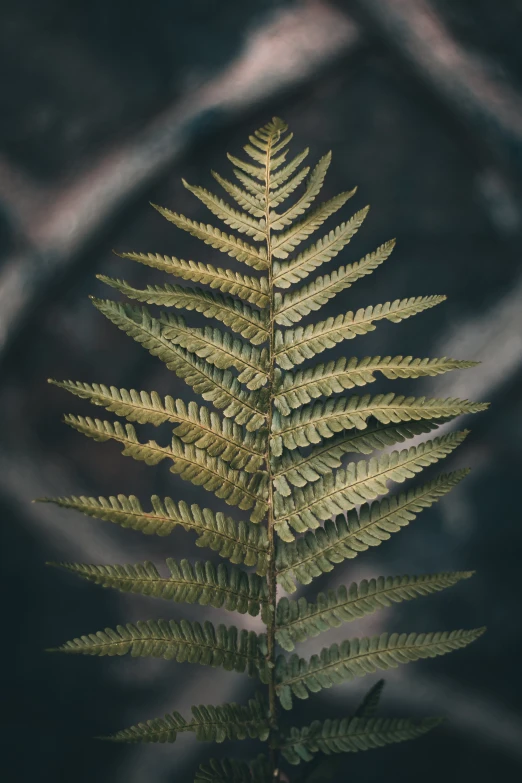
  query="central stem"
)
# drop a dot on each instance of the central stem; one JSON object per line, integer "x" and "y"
{"x": 271, "y": 576}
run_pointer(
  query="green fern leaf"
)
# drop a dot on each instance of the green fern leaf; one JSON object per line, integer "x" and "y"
{"x": 156, "y": 730}
{"x": 214, "y": 385}
{"x": 150, "y": 453}
{"x": 294, "y": 346}
{"x": 351, "y": 735}
{"x": 231, "y": 217}
{"x": 298, "y": 469}
{"x": 359, "y": 657}
{"x": 233, "y": 771}
{"x": 252, "y": 203}
{"x": 221, "y": 350}
{"x": 313, "y": 188}
{"x": 253, "y": 187}
{"x": 223, "y": 646}
{"x": 259, "y": 155}
{"x": 294, "y": 306}
{"x": 336, "y": 376}
{"x": 249, "y": 323}
{"x": 240, "y": 542}
{"x": 368, "y": 706}
{"x": 197, "y": 425}
{"x": 269, "y": 136}
{"x": 221, "y": 587}
{"x": 311, "y": 424}
{"x": 221, "y": 388}
{"x": 358, "y": 482}
{"x": 318, "y": 551}
{"x": 286, "y": 242}
{"x": 192, "y": 464}
{"x": 281, "y": 194}
{"x": 322, "y": 251}
{"x": 251, "y": 289}
{"x": 209, "y": 724}
{"x": 286, "y": 172}
{"x": 258, "y": 172}
{"x": 225, "y": 243}
{"x": 300, "y": 620}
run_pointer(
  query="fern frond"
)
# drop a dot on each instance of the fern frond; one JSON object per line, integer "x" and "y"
{"x": 359, "y": 657}
{"x": 282, "y": 193}
{"x": 296, "y": 389}
{"x": 190, "y": 641}
{"x": 273, "y": 142}
{"x": 368, "y": 706}
{"x": 300, "y": 620}
{"x": 312, "y": 296}
{"x": 270, "y": 134}
{"x": 233, "y": 771}
{"x": 311, "y": 424}
{"x": 150, "y": 453}
{"x": 231, "y": 217}
{"x": 286, "y": 172}
{"x": 298, "y": 469}
{"x": 209, "y": 724}
{"x": 251, "y": 289}
{"x": 258, "y": 172}
{"x": 318, "y": 551}
{"x": 214, "y": 385}
{"x": 313, "y": 188}
{"x": 225, "y": 243}
{"x": 278, "y": 451}
{"x": 202, "y": 583}
{"x": 241, "y": 318}
{"x": 197, "y": 425}
{"x": 258, "y": 153}
{"x": 286, "y": 242}
{"x": 358, "y": 482}
{"x": 240, "y": 542}
{"x": 236, "y": 488}
{"x": 220, "y": 349}
{"x": 294, "y": 346}
{"x": 351, "y": 735}
{"x": 249, "y": 201}
{"x": 253, "y": 187}
{"x": 261, "y": 156}
{"x": 222, "y": 389}
{"x": 323, "y": 250}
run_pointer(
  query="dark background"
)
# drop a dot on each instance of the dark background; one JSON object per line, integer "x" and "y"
{"x": 104, "y": 107}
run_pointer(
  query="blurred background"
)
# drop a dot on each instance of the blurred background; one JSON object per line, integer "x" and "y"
{"x": 105, "y": 106}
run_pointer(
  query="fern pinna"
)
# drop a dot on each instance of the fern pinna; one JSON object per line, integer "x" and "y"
{"x": 284, "y": 448}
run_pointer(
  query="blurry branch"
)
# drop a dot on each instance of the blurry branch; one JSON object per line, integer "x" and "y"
{"x": 53, "y": 227}
{"x": 480, "y": 98}
{"x": 463, "y": 80}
